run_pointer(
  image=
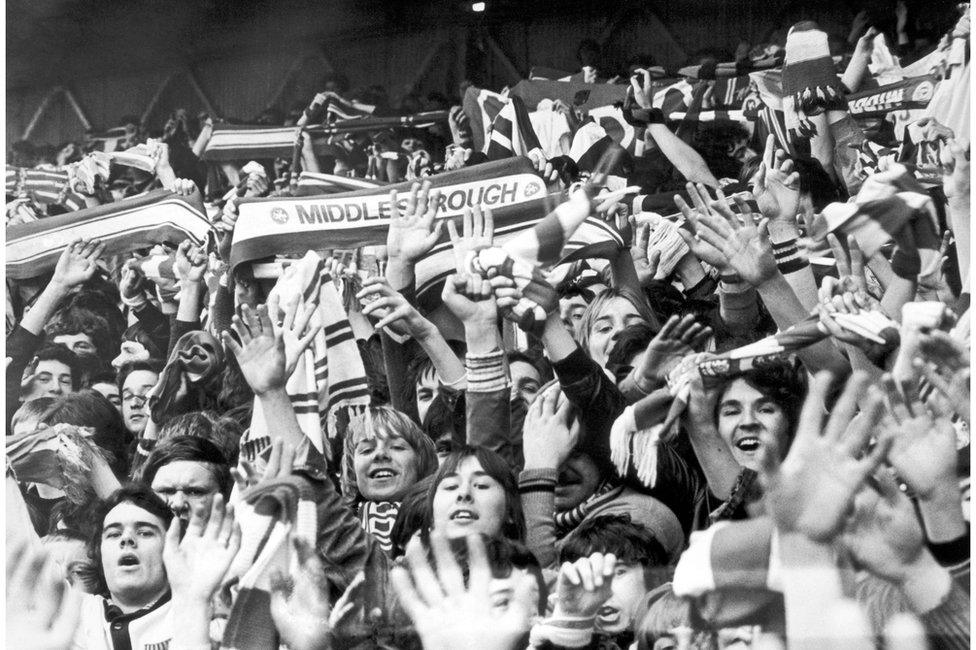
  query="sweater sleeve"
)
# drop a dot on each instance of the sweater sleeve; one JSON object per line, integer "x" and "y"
{"x": 537, "y": 491}
{"x": 488, "y": 411}
{"x": 155, "y": 323}
{"x": 396, "y": 357}
{"x": 599, "y": 401}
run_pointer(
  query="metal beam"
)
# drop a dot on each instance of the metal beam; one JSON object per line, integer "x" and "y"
{"x": 192, "y": 78}
{"x": 499, "y": 53}
{"x": 156, "y": 97}
{"x": 41, "y": 108}
{"x": 77, "y": 108}
{"x": 425, "y": 66}
{"x": 293, "y": 70}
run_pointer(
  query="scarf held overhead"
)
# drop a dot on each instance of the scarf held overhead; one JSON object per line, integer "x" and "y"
{"x": 124, "y": 226}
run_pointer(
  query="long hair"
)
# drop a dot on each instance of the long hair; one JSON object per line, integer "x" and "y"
{"x": 89, "y": 408}
{"x": 494, "y": 466}
{"x": 782, "y": 383}
{"x": 595, "y": 309}
{"x": 384, "y": 422}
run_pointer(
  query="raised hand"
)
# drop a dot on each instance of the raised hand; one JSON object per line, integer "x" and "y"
{"x": 736, "y": 243}
{"x": 776, "y": 186}
{"x": 646, "y": 265}
{"x": 812, "y": 489}
{"x": 196, "y": 564}
{"x": 261, "y": 352}
{"x": 381, "y": 301}
{"x": 413, "y": 233}
{"x": 549, "y": 434}
{"x": 584, "y": 585}
{"x": 42, "y": 611}
{"x": 884, "y": 534}
{"x": 77, "y": 263}
{"x": 478, "y": 232}
{"x": 922, "y": 444}
{"x": 183, "y": 187}
{"x": 191, "y": 263}
{"x": 954, "y": 158}
{"x": 643, "y": 88}
{"x": 470, "y": 298}
{"x": 130, "y": 283}
{"x": 300, "y": 605}
{"x": 677, "y": 339}
{"x": 300, "y": 322}
{"x": 448, "y": 615}
{"x": 945, "y": 364}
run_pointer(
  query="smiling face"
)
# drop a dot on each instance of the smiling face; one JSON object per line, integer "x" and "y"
{"x": 626, "y": 592}
{"x": 469, "y": 501}
{"x": 743, "y": 414}
{"x": 578, "y": 478}
{"x": 185, "y": 485}
{"x": 135, "y": 408}
{"x": 385, "y": 466}
{"x": 132, "y": 555}
{"x": 616, "y": 315}
{"x": 51, "y": 379}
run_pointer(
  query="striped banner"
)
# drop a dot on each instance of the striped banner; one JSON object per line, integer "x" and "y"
{"x": 33, "y": 249}
{"x": 240, "y": 141}
{"x": 511, "y": 187}
{"x": 903, "y": 95}
{"x": 314, "y": 183}
{"x": 46, "y": 187}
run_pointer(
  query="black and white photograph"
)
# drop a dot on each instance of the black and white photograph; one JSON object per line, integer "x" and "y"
{"x": 488, "y": 324}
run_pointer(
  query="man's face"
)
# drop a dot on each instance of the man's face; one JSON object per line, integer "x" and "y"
{"x": 80, "y": 344}
{"x": 503, "y": 593}
{"x": 743, "y": 414}
{"x": 51, "y": 379}
{"x": 110, "y": 392}
{"x": 578, "y": 478}
{"x": 135, "y": 408}
{"x": 526, "y": 381}
{"x": 185, "y": 485}
{"x": 628, "y": 589}
{"x": 426, "y": 392}
{"x": 132, "y": 555}
{"x": 385, "y": 466}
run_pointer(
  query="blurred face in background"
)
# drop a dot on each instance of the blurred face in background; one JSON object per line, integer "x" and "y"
{"x": 135, "y": 405}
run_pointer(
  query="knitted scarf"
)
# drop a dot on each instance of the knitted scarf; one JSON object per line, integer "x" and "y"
{"x": 329, "y": 379}
{"x": 34, "y": 248}
{"x": 810, "y": 83}
{"x": 568, "y": 520}
{"x": 377, "y": 518}
{"x": 270, "y": 515}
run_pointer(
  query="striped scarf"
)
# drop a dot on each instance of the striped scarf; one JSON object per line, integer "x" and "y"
{"x": 329, "y": 378}
{"x": 886, "y": 203}
{"x": 377, "y": 518}
{"x": 568, "y": 520}
{"x": 270, "y": 514}
{"x": 33, "y": 249}
{"x": 316, "y": 184}
{"x": 511, "y": 132}
{"x": 810, "y": 83}
{"x": 46, "y": 187}
{"x": 617, "y": 128}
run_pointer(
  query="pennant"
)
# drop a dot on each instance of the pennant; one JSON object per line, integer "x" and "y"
{"x": 511, "y": 132}
{"x": 33, "y": 249}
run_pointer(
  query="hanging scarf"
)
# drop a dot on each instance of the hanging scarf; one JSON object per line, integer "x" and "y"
{"x": 377, "y": 518}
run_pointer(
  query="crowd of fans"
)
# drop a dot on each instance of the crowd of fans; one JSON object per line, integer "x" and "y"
{"x": 747, "y": 426}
